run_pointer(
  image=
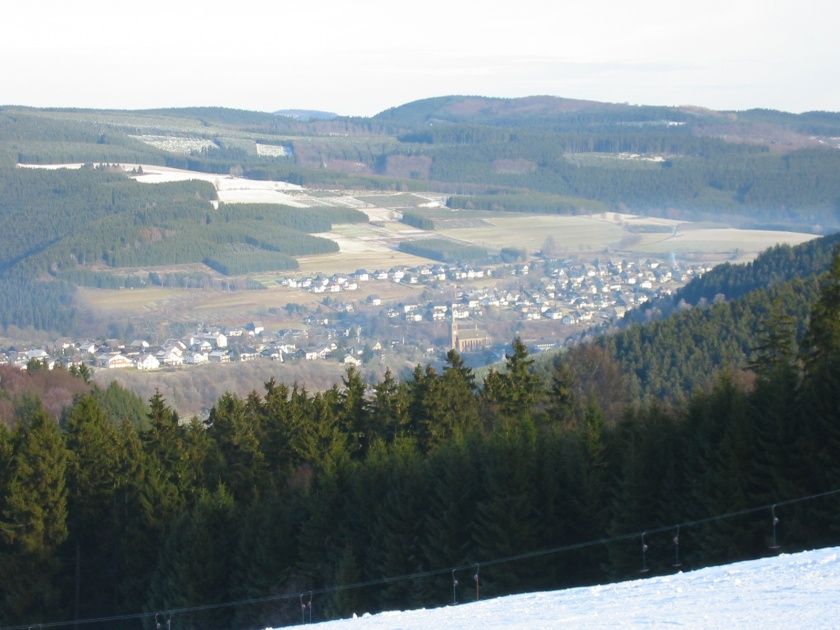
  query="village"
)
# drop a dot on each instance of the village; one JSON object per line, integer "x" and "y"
{"x": 462, "y": 306}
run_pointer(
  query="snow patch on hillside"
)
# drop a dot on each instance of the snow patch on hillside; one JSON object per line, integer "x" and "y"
{"x": 789, "y": 591}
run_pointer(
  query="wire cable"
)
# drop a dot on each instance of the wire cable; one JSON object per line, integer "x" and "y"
{"x": 327, "y": 590}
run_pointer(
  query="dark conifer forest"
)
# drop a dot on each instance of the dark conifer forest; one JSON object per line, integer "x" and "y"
{"x": 288, "y": 492}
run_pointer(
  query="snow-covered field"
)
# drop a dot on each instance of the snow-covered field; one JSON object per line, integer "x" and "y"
{"x": 176, "y": 144}
{"x": 230, "y": 189}
{"x": 789, "y": 591}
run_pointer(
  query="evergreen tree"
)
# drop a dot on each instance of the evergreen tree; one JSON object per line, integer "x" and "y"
{"x": 507, "y": 519}
{"x": 774, "y": 410}
{"x": 459, "y": 412}
{"x": 560, "y": 404}
{"x": 195, "y": 559}
{"x": 345, "y": 602}
{"x": 422, "y": 391}
{"x": 819, "y": 438}
{"x": 265, "y": 561}
{"x": 33, "y": 523}
{"x": 455, "y": 480}
{"x": 398, "y": 526}
{"x": 354, "y": 413}
{"x": 511, "y": 397}
{"x": 95, "y": 474}
{"x": 234, "y": 427}
{"x": 389, "y": 408}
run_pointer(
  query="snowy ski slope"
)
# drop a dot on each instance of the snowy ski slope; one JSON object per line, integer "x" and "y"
{"x": 800, "y": 590}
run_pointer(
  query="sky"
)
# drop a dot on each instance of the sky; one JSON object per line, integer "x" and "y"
{"x": 360, "y": 57}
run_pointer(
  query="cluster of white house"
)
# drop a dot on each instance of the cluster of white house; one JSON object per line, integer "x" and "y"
{"x": 421, "y": 274}
{"x": 569, "y": 293}
{"x": 202, "y": 347}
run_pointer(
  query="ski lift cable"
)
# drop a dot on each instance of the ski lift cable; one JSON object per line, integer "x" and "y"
{"x": 172, "y": 612}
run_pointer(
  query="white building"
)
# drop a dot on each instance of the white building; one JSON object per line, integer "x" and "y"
{"x": 148, "y": 362}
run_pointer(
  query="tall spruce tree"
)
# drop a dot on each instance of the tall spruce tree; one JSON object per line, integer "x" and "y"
{"x": 389, "y": 409}
{"x": 354, "y": 413}
{"x": 96, "y": 473}
{"x": 194, "y": 562}
{"x": 819, "y": 440}
{"x": 455, "y": 479}
{"x": 33, "y": 523}
{"x": 234, "y": 427}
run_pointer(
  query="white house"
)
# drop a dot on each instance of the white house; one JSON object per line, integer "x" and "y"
{"x": 172, "y": 355}
{"x": 148, "y": 362}
{"x": 197, "y": 358}
{"x": 37, "y": 355}
{"x": 114, "y": 361}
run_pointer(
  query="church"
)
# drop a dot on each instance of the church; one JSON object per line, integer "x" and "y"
{"x": 468, "y": 339}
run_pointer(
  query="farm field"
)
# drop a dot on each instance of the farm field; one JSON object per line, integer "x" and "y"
{"x": 575, "y": 234}
{"x": 233, "y": 307}
{"x": 362, "y": 246}
{"x": 582, "y": 235}
{"x": 718, "y": 241}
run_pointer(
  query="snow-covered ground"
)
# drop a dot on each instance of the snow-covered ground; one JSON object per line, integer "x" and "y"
{"x": 230, "y": 189}
{"x": 789, "y": 591}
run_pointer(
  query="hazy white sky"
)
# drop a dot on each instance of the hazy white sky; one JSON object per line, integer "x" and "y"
{"x": 362, "y": 56}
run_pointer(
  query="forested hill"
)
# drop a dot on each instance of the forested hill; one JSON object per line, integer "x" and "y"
{"x": 778, "y": 264}
{"x": 530, "y": 111}
{"x": 557, "y": 112}
{"x": 714, "y": 322}
{"x": 758, "y": 167}
{"x": 396, "y": 497}
{"x": 96, "y": 226}
{"x": 679, "y": 354}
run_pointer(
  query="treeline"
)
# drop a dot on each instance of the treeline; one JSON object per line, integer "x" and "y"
{"x": 292, "y": 491}
{"x": 319, "y": 219}
{"x": 239, "y": 260}
{"x": 189, "y": 243}
{"x": 444, "y": 250}
{"x": 418, "y": 220}
{"x": 559, "y": 141}
{"x": 526, "y": 202}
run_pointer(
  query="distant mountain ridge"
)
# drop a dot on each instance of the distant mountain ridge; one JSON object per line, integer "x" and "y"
{"x": 542, "y": 109}
{"x": 486, "y": 109}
